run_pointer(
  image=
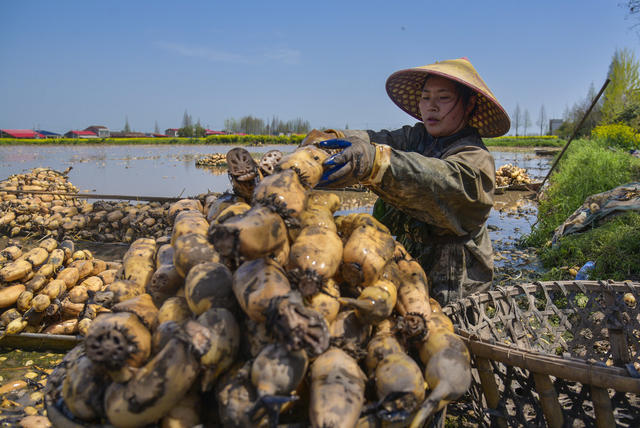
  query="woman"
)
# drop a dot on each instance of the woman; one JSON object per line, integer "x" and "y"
{"x": 435, "y": 180}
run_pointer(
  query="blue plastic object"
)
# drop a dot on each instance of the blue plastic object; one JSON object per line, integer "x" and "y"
{"x": 583, "y": 273}
{"x": 335, "y": 143}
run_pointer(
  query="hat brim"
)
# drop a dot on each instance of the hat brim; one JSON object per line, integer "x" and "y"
{"x": 404, "y": 87}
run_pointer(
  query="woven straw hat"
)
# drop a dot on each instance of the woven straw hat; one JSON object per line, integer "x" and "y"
{"x": 405, "y": 89}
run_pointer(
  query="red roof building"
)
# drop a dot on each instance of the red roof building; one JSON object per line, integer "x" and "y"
{"x": 171, "y": 132}
{"x": 211, "y": 132}
{"x": 80, "y": 134}
{"x": 19, "y": 133}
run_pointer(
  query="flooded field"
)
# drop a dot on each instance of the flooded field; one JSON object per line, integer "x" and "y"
{"x": 165, "y": 170}
{"x": 171, "y": 171}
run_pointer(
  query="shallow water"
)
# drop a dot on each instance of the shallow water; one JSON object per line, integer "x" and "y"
{"x": 166, "y": 170}
{"x": 163, "y": 170}
{"x": 145, "y": 170}
{"x": 170, "y": 170}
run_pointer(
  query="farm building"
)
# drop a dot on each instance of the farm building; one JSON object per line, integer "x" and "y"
{"x": 80, "y": 134}
{"x": 100, "y": 131}
{"x": 19, "y": 133}
{"x": 211, "y": 132}
{"x": 48, "y": 134}
{"x": 171, "y": 132}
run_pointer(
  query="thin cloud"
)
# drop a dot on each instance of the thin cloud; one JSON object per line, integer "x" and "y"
{"x": 283, "y": 55}
{"x": 287, "y": 56}
{"x": 205, "y": 53}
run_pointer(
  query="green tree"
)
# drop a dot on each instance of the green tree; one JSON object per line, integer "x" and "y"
{"x": 127, "y": 128}
{"x": 251, "y": 125}
{"x": 623, "y": 92}
{"x": 156, "y": 128}
{"x": 187, "y": 126}
{"x": 198, "y": 130}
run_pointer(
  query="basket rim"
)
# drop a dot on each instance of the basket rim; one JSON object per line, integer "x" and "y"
{"x": 565, "y": 367}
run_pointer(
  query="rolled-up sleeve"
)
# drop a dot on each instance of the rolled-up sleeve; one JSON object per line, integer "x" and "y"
{"x": 454, "y": 192}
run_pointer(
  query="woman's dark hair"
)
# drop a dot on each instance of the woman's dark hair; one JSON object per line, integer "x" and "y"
{"x": 465, "y": 93}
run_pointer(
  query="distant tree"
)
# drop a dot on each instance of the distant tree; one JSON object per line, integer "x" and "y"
{"x": 127, "y": 128}
{"x": 573, "y": 116}
{"x": 542, "y": 119}
{"x": 231, "y": 126}
{"x": 251, "y": 125}
{"x": 526, "y": 122}
{"x": 186, "y": 120}
{"x": 298, "y": 126}
{"x": 517, "y": 118}
{"x": 156, "y": 128}
{"x": 198, "y": 130}
{"x": 346, "y": 126}
{"x": 187, "y": 126}
{"x": 273, "y": 125}
{"x": 623, "y": 92}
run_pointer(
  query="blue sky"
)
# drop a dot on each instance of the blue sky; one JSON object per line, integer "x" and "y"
{"x": 71, "y": 64}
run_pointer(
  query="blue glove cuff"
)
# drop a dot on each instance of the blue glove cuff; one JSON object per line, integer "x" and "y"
{"x": 335, "y": 143}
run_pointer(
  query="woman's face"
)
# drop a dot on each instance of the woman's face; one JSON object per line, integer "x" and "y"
{"x": 441, "y": 107}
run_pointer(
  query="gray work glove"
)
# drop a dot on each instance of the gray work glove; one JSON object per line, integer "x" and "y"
{"x": 352, "y": 165}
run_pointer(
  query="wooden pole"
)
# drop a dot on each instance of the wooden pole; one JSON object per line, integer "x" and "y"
{"x": 490, "y": 389}
{"x": 602, "y": 407}
{"x": 575, "y": 131}
{"x": 549, "y": 400}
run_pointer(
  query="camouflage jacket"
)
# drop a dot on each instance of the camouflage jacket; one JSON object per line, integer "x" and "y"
{"x": 435, "y": 197}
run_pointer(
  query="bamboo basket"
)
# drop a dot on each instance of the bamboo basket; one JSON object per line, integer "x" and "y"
{"x": 557, "y": 354}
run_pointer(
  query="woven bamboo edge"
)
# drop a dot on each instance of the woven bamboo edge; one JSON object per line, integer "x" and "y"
{"x": 568, "y": 368}
{"x": 565, "y": 368}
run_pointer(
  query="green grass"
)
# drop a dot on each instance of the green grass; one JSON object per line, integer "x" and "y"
{"x": 588, "y": 168}
{"x": 614, "y": 246}
{"x": 532, "y": 141}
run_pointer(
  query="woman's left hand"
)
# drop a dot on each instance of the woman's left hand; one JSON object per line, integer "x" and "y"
{"x": 351, "y": 166}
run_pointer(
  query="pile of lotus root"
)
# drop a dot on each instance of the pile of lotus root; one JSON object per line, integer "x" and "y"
{"x": 509, "y": 175}
{"x": 65, "y": 216}
{"x": 214, "y": 159}
{"x": 46, "y": 289}
{"x": 264, "y": 308}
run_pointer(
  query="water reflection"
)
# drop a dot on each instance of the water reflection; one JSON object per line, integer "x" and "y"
{"x": 170, "y": 170}
{"x": 148, "y": 170}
